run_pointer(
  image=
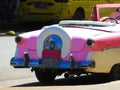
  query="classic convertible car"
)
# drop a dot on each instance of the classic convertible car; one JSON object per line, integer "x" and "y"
{"x": 106, "y": 13}
{"x": 70, "y": 47}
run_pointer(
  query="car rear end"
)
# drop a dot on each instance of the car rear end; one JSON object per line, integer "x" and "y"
{"x": 56, "y": 49}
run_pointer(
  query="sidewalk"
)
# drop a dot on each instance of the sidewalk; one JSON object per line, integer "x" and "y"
{"x": 4, "y": 32}
{"x": 11, "y": 28}
{"x": 6, "y": 28}
{"x": 19, "y": 27}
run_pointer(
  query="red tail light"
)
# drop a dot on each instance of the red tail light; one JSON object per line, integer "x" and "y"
{"x": 90, "y": 42}
{"x": 18, "y": 39}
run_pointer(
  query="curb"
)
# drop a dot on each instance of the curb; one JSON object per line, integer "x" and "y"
{"x": 9, "y": 33}
{"x": 3, "y": 34}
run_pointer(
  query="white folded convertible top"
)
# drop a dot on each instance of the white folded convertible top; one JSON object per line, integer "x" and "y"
{"x": 84, "y": 23}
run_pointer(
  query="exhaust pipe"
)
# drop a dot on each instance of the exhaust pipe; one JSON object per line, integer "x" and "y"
{"x": 67, "y": 75}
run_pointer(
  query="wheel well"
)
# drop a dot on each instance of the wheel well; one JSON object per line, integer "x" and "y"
{"x": 114, "y": 66}
{"x": 81, "y": 11}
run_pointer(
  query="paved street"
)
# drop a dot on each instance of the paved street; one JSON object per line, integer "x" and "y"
{"x": 12, "y": 79}
{"x": 7, "y": 72}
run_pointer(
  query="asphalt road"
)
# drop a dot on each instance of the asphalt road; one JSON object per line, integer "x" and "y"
{"x": 7, "y": 72}
{"x": 12, "y": 79}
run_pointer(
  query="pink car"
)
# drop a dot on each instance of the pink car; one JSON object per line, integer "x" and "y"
{"x": 106, "y": 13}
{"x": 70, "y": 47}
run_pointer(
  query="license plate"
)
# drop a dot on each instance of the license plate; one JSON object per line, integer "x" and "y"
{"x": 50, "y": 62}
{"x": 41, "y": 6}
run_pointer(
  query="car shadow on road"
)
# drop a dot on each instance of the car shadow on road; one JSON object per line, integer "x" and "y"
{"x": 83, "y": 80}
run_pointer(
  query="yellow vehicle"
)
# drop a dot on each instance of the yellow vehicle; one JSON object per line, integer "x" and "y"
{"x": 56, "y": 10}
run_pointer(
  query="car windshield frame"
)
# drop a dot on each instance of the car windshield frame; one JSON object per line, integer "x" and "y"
{"x": 101, "y": 6}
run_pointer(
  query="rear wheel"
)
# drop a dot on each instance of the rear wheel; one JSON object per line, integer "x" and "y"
{"x": 44, "y": 76}
{"x": 115, "y": 72}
